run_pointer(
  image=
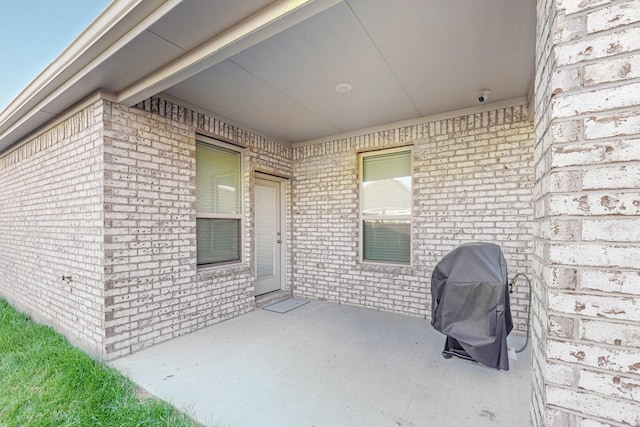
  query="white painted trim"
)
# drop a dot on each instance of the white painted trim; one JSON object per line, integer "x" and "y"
{"x": 284, "y": 245}
{"x": 266, "y": 23}
{"x": 113, "y": 14}
{"x": 362, "y": 218}
{"x": 102, "y": 24}
{"x": 19, "y": 112}
{"x": 203, "y": 139}
{"x": 284, "y": 231}
{"x": 426, "y": 119}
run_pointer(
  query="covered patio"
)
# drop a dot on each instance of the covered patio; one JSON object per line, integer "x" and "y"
{"x": 516, "y": 123}
{"x": 326, "y": 364}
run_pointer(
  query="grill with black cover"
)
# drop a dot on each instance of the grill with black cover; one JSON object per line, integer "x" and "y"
{"x": 470, "y": 304}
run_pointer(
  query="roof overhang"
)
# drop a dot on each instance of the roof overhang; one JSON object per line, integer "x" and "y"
{"x": 69, "y": 79}
{"x": 271, "y": 66}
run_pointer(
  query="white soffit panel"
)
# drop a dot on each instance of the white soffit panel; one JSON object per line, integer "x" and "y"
{"x": 230, "y": 91}
{"x": 306, "y": 61}
{"x": 273, "y": 19}
{"x": 133, "y": 62}
{"x": 193, "y": 22}
{"x": 452, "y": 49}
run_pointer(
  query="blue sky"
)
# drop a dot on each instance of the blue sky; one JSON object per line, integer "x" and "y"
{"x": 35, "y": 32}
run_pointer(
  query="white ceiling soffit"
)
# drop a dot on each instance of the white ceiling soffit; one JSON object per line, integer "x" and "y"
{"x": 271, "y": 20}
{"x": 272, "y": 66}
{"x": 136, "y": 48}
{"x": 453, "y": 49}
{"x": 404, "y": 59}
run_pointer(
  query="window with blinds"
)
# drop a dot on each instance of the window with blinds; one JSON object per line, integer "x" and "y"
{"x": 386, "y": 200}
{"x": 218, "y": 204}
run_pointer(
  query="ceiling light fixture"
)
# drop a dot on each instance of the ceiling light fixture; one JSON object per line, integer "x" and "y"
{"x": 343, "y": 87}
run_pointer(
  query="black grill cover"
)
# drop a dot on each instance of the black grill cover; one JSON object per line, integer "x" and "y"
{"x": 470, "y": 302}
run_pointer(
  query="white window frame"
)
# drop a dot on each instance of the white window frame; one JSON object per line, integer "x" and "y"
{"x": 201, "y": 139}
{"x": 361, "y": 217}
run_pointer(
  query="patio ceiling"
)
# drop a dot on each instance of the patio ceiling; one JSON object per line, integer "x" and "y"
{"x": 273, "y": 67}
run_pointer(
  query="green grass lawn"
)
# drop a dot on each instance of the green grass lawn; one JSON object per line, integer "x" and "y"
{"x": 44, "y": 381}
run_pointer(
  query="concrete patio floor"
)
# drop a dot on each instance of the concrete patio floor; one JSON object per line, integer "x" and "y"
{"x": 327, "y": 364}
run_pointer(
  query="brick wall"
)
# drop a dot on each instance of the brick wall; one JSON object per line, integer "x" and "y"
{"x": 544, "y": 275}
{"x": 587, "y": 326}
{"x": 140, "y": 284}
{"x": 51, "y": 226}
{"x": 473, "y": 181}
{"x": 108, "y": 197}
{"x": 154, "y": 290}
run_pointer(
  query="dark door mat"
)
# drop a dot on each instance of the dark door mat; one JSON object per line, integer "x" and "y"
{"x": 286, "y": 305}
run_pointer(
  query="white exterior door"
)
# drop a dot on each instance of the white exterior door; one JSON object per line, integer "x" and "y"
{"x": 268, "y": 236}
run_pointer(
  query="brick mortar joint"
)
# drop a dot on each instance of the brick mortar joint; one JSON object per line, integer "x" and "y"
{"x": 575, "y": 388}
{"x": 595, "y": 369}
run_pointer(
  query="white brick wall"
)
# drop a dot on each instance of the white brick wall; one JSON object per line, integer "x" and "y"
{"x": 51, "y": 225}
{"x": 116, "y": 214}
{"x": 473, "y": 181}
{"x": 154, "y": 290}
{"x": 149, "y": 229}
{"x": 587, "y": 341}
{"x": 108, "y": 197}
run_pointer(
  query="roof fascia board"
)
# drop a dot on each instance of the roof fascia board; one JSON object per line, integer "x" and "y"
{"x": 266, "y": 23}
{"x": 88, "y": 38}
{"x": 14, "y": 117}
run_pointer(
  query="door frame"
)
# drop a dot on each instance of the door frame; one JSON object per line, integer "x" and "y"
{"x": 283, "y": 247}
